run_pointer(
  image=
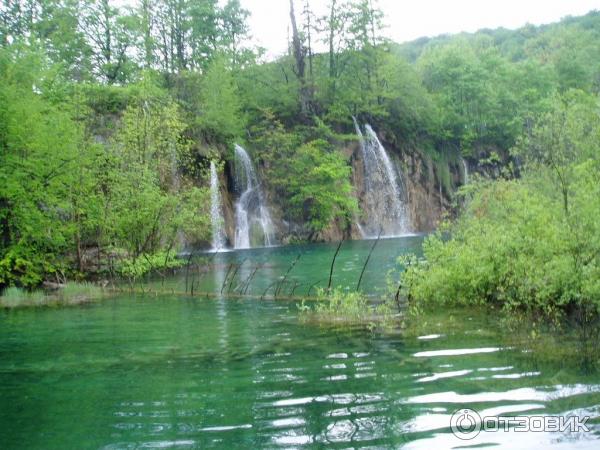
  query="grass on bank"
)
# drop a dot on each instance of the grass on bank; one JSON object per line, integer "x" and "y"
{"x": 72, "y": 293}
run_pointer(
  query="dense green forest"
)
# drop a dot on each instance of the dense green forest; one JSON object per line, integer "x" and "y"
{"x": 110, "y": 116}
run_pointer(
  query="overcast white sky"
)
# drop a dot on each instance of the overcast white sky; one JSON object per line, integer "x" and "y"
{"x": 410, "y": 19}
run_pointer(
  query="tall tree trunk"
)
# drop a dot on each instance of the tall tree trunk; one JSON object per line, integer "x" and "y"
{"x": 309, "y": 38}
{"x": 147, "y": 28}
{"x": 298, "y": 51}
{"x": 332, "y": 68}
{"x": 107, "y": 50}
{"x": 179, "y": 37}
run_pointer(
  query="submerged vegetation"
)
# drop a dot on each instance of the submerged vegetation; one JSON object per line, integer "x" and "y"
{"x": 345, "y": 308}
{"x": 70, "y": 294}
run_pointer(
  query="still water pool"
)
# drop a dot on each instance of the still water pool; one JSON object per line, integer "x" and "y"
{"x": 172, "y": 371}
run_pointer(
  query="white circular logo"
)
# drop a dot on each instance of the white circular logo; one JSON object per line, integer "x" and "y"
{"x": 465, "y": 424}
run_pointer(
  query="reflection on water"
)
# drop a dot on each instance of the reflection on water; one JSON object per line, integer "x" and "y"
{"x": 177, "y": 372}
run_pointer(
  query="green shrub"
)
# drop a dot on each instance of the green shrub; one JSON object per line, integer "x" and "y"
{"x": 515, "y": 247}
{"x": 104, "y": 99}
{"x": 136, "y": 267}
{"x": 344, "y": 307}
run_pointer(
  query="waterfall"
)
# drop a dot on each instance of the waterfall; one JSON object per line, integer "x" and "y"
{"x": 384, "y": 197}
{"x": 465, "y": 171}
{"x": 253, "y": 224}
{"x": 363, "y": 235}
{"x": 216, "y": 215}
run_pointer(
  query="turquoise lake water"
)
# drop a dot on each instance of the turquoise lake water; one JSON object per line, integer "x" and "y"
{"x": 175, "y": 371}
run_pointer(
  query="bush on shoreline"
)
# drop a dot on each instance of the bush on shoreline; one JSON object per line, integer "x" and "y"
{"x": 348, "y": 308}
{"x": 514, "y": 248}
{"x": 530, "y": 244}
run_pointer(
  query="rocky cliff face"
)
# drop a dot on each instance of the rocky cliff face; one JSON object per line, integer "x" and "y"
{"x": 427, "y": 200}
{"x": 227, "y": 198}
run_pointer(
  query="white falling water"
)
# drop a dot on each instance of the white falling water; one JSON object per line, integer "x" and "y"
{"x": 216, "y": 214}
{"x": 253, "y": 224}
{"x": 360, "y": 229}
{"x": 465, "y": 171}
{"x": 384, "y": 206}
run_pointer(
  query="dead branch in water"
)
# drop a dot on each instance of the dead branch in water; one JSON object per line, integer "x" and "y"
{"x": 226, "y": 277}
{"x": 332, "y": 264}
{"x": 296, "y": 285}
{"x": 267, "y": 290}
{"x": 287, "y": 273}
{"x": 246, "y": 284}
{"x": 187, "y": 270}
{"x": 213, "y": 294}
{"x": 312, "y": 286}
{"x": 367, "y": 261}
{"x": 237, "y": 268}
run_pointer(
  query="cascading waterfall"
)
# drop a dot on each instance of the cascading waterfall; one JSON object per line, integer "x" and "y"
{"x": 465, "y": 171}
{"x": 216, "y": 214}
{"x": 384, "y": 205}
{"x": 253, "y": 224}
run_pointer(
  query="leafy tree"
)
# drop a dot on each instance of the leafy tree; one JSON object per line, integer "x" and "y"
{"x": 530, "y": 244}
{"x": 409, "y": 108}
{"x": 305, "y": 93}
{"x": 42, "y": 155}
{"x": 147, "y": 14}
{"x": 111, "y": 34}
{"x": 319, "y": 186}
{"x": 220, "y": 117}
{"x": 50, "y": 24}
{"x": 204, "y": 32}
{"x": 313, "y": 180}
{"x": 17, "y": 19}
{"x": 147, "y": 203}
{"x": 356, "y": 54}
{"x": 233, "y": 31}
{"x": 187, "y": 35}
{"x": 568, "y": 133}
{"x": 271, "y": 86}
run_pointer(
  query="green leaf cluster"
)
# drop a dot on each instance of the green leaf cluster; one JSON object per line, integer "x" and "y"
{"x": 531, "y": 244}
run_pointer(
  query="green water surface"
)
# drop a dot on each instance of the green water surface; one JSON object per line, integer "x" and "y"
{"x": 172, "y": 371}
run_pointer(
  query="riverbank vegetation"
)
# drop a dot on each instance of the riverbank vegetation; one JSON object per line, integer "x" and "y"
{"x": 69, "y": 294}
{"x": 111, "y": 114}
{"x": 529, "y": 244}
